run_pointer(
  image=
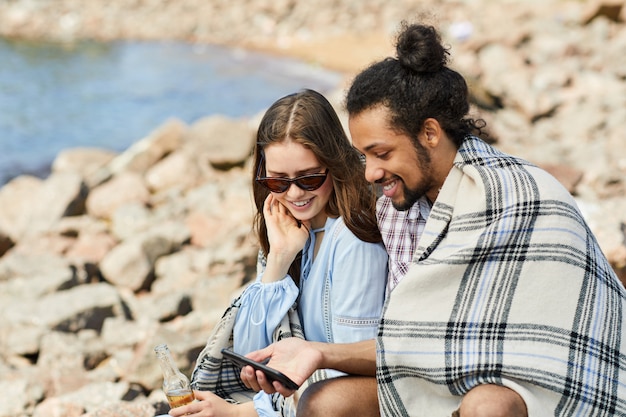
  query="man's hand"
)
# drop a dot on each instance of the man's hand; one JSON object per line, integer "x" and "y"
{"x": 295, "y": 357}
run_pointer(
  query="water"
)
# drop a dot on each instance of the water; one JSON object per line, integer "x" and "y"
{"x": 55, "y": 96}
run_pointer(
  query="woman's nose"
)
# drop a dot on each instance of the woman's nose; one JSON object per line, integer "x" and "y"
{"x": 294, "y": 190}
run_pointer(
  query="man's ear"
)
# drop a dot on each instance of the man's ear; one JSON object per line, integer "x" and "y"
{"x": 431, "y": 133}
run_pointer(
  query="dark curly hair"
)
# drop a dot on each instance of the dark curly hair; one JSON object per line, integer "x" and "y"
{"x": 415, "y": 86}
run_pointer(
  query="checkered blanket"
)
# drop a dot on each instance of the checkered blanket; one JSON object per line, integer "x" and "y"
{"x": 508, "y": 286}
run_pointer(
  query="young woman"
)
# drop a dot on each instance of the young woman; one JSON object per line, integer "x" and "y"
{"x": 320, "y": 246}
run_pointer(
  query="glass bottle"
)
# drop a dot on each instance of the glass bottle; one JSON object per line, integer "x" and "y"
{"x": 175, "y": 384}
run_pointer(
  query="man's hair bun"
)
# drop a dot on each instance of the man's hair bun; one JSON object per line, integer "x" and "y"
{"x": 419, "y": 49}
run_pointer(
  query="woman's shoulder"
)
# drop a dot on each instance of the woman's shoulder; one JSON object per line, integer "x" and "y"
{"x": 335, "y": 226}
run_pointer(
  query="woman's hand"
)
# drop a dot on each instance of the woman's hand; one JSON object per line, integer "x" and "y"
{"x": 208, "y": 404}
{"x": 286, "y": 235}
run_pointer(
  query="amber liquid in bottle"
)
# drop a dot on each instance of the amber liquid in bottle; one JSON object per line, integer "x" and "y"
{"x": 179, "y": 397}
{"x": 175, "y": 384}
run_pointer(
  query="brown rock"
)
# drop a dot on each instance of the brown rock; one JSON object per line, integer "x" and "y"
{"x": 617, "y": 259}
{"x": 567, "y": 175}
{"x": 90, "y": 247}
{"x": 175, "y": 170}
{"x": 125, "y": 188}
{"x": 55, "y": 407}
{"x": 84, "y": 161}
{"x": 224, "y": 142}
{"x": 144, "y": 153}
{"x": 123, "y": 410}
{"x": 611, "y": 9}
{"x": 29, "y": 206}
{"x": 5, "y": 243}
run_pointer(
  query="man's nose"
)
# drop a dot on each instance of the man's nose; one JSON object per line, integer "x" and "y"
{"x": 373, "y": 171}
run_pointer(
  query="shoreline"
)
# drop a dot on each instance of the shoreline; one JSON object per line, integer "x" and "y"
{"x": 306, "y": 38}
{"x": 270, "y": 68}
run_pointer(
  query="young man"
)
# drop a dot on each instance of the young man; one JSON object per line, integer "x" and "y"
{"x": 508, "y": 307}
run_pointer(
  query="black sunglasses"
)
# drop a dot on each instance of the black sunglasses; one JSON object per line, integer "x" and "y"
{"x": 309, "y": 182}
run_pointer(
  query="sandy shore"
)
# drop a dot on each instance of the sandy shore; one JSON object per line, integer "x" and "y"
{"x": 344, "y": 53}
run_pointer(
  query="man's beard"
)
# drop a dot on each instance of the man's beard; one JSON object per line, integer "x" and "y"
{"x": 411, "y": 195}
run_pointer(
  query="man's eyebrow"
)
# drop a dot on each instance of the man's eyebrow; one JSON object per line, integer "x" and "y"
{"x": 371, "y": 146}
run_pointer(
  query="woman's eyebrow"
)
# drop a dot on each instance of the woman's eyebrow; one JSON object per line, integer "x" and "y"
{"x": 312, "y": 170}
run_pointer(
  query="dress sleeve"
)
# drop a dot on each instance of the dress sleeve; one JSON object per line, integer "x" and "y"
{"x": 263, "y": 405}
{"x": 262, "y": 308}
{"x": 358, "y": 277}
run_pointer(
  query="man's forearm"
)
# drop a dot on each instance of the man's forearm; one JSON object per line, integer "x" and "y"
{"x": 358, "y": 358}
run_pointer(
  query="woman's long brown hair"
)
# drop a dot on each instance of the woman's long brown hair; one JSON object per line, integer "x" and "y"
{"x": 308, "y": 118}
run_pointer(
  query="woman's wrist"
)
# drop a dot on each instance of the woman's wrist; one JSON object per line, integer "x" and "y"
{"x": 277, "y": 267}
{"x": 245, "y": 410}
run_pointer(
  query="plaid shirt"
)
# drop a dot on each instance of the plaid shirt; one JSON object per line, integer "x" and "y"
{"x": 401, "y": 231}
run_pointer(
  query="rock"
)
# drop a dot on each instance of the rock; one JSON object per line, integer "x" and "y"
{"x": 147, "y": 151}
{"x": 90, "y": 248}
{"x": 5, "y": 243}
{"x": 130, "y": 263}
{"x": 94, "y": 396}
{"x": 24, "y": 264}
{"x": 29, "y": 206}
{"x": 224, "y": 142}
{"x": 181, "y": 270}
{"x": 617, "y": 258}
{"x": 63, "y": 359}
{"x": 81, "y": 307}
{"x": 566, "y": 175}
{"x": 35, "y": 285}
{"x": 56, "y": 407}
{"x": 17, "y": 396}
{"x": 125, "y": 410}
{"x": 125, "y": 188}
{"x": 175, "y": 170}
{"x": 118, "y": 332}
{"x": 130, "y": 219}
{"x": 84, "y": 161}
{"x": 611, "y": 9}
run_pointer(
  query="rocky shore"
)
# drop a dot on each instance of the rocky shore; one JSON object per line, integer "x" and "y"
{"x": 113, "y": 253}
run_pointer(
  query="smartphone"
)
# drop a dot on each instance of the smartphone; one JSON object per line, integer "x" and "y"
{"x": 270, "y": 373}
